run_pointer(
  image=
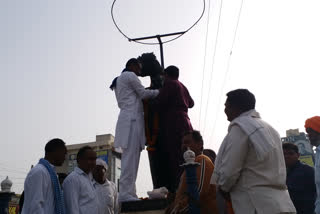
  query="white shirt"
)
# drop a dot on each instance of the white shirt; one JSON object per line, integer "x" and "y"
{"x": 129, "y": 93}
{"x": 38, "y": 192}
{"x": 108, "y": 197}
{"x": 79, "y": 193}
{"x": 255, "y": 185}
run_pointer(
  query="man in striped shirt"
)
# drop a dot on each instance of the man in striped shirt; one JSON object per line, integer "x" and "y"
{"x": 207, "y": 202}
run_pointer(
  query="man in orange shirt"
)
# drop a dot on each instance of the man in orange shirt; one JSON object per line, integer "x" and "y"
{"x": 207, "y": 201}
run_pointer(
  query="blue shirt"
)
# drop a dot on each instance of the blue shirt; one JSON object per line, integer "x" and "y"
{"x": 301, "y": 186}
{"x": 317, "y": 179}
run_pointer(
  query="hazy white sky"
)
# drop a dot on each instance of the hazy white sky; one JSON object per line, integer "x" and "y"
{"x": 57, "y": 59}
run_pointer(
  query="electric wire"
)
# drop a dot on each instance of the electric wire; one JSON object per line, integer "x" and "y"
{"x": 213, "y": 61}
{"x": 154, "y": 43}
{"x": 228, "y": 68}
{"x": 204, "y": 62}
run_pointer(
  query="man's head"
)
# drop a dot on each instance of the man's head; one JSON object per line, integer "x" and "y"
{"x": 211, "y": 154}
{"x": 100, "y": 171}
{"x": 55, "y": 151}
{"x": 312, "y": 126}
{"x": 86, "y": 159}
{"x": 291, "y": 154}
{"x": 238, "y": 101}
{"x": 134, "y": 65}
{"x": 171, "y": 72}
{"x": 194, "y": 141}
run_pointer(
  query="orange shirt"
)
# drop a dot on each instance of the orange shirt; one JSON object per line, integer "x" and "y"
{"x": 206, "y": 190}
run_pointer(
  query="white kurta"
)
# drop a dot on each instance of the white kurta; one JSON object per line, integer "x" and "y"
{"x": 130, "y": 131}
{"x": 254, "y": 175}
{"x": 108, "y": 197}
{"x": 79, "y": 193}
{"x": 129, "y": 93}
{"x": 38, "y": 192}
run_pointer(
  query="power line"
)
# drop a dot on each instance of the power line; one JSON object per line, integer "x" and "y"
{"x": 154, "y": 43}
{"x": 228, "y": 67}
{"x": 213, "y": 61}
{"x": 204, "y": 62}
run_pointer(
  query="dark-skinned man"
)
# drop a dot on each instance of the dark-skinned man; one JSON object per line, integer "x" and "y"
{"x": 106, "y": 190}
{"x": 300, "y": 180}
{"x": 79, "y": 191}
{"x": 312, "y": 126}
{"x": 207, "y": 201}
{"x": 42, "y": 191}
{"x": 250, "y": 166}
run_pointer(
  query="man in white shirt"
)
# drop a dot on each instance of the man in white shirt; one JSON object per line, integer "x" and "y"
{"x": 130, "y": 130}
{"x": 250, "y": 165}
{"x": 106, "y": 190}
{"x": 79, "y": 191}
{"x": 312, "y": 126}
{"x": 42, "y": 192}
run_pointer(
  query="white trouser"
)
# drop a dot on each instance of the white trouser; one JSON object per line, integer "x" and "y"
{"x": 129, "y": 168}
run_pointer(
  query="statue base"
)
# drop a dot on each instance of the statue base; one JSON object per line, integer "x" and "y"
{"x": 152, "y": 206}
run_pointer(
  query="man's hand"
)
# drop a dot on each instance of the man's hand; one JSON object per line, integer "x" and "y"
{"x": 225, "y": 195}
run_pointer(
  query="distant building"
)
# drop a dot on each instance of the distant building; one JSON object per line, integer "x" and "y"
{"x": 301, "y": 140}
{"x": 105, "y": 150}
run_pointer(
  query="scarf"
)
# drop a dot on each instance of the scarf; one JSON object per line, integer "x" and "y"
{"x": 58, "y": 195}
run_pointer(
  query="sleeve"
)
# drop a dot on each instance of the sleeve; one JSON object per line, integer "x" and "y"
{"x": 204, "y": 172}
{"x": 190, "y": 100}
{"x": 139, "y": 89}
{"x": 232, "y": 158}
{"x": 70, "y": 191}
{"x": 34, "y": 187}
{"x": 116, "y": 203}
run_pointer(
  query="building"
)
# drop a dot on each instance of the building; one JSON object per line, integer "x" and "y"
{"x": 301, "y": 140}
{"x": 105, "y": 150}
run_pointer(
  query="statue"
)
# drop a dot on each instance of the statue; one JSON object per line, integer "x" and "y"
{"x": 151, "y": 67}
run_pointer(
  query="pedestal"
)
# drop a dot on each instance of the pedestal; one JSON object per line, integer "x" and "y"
{"x": 5, "y": 198}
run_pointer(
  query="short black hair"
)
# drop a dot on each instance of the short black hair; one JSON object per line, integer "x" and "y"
{"x": 54, "y": 144}
{"x": 210, "y": 153}
{"x": 132, "y": 61}
{"x": 172, "y": 71}
{"x": 82, "y": 151}
{"x": 196, "y": 136}
{"x": 290, "y": 146}
{"x": 242, "y": 99}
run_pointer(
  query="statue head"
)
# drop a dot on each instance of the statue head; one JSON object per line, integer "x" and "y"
{"x": 151, "y": 67}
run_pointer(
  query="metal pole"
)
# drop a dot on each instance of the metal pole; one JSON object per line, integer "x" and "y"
{"x": 158, "y": 37}
{"x": 161, "y": 50}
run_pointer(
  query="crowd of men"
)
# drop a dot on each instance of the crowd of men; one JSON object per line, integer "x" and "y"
{"x": 253, "y": 172}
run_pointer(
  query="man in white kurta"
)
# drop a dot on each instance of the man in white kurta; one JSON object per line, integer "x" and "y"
{"x": 106, "y": 190}
{"x": 250, "y": 164}
{"x": 130, "y": 130}
{"x": 79, "y": 191}
{"x": 39, "y": 195}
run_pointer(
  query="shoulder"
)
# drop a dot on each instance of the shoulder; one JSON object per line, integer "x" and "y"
{"x": 38, "y": 170}
{"x": 71, "y": 178}
{"x": 306, "y": 168}
{"x": 203, "y": 159}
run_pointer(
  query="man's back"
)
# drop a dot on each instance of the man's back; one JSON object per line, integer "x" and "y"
{"x": 38, "y": 192}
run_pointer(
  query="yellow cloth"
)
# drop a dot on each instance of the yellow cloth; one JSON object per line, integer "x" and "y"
{"x": 313, "y": 123}
{"x": 206, "y": 190}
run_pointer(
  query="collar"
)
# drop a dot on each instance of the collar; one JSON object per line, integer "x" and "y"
{"x": 251, "y": 113}
{"x": 79, "y": 171}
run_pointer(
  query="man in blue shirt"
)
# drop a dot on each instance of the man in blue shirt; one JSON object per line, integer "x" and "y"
{"x": 300, "y": 180}
{"x": 312, "y": 126}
